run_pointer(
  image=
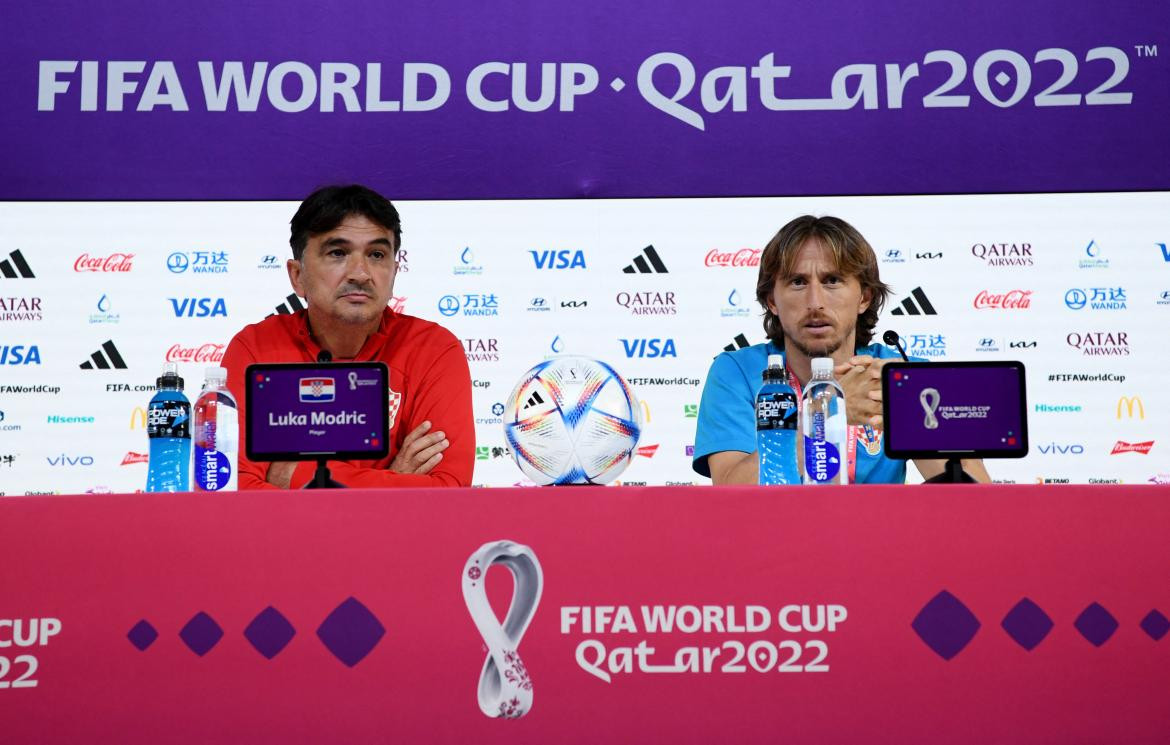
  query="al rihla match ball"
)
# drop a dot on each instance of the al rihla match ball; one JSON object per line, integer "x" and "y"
{"x": 572, "y": 420}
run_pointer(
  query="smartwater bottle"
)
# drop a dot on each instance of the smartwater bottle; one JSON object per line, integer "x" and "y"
{"x": 168, "y": 425}
{"x": 217, "y": 434}
{"x": 776, "y": 414}
{"x": 824, "y": 427}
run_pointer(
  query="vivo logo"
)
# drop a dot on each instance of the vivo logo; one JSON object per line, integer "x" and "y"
{"x": 69, "y": 460}
{"x": 20, "y": 355}
{"x": 558, "y": 259}
{"x": 1055, "y": 449}
{"x": 649, "y": 347}
{"x": 198, "y": 307}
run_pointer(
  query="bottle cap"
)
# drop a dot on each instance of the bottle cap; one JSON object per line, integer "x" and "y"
{"x": 775, "y": 360}
{"x": 822, "y": 366}
{"x": 218, "y": 374}
{"x": 170, "y": 377}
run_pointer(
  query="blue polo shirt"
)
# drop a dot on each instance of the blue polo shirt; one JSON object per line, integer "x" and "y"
{"x": 727, "y": 413}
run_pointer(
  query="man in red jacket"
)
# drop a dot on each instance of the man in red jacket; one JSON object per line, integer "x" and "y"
{"x": 345, "y": 242}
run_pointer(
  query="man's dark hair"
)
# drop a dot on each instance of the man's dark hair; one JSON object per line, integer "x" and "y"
{"x": 854, "y": 257}
{"x": 324, "y": 209}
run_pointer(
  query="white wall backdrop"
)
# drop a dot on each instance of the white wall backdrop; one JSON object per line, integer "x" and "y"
{"x": 74, "y": 276}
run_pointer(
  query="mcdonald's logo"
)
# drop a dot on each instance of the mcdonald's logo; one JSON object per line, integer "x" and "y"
{"x": 645, "y": 411}
{"x": 138, "y": 418}
{"x": 1130, "y": 402}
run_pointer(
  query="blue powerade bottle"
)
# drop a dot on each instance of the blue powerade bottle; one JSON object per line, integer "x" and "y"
{"x": 776, "y": 419}
{"x": 168, "y": 425}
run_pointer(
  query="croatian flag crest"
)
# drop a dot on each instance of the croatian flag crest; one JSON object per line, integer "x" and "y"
{"x": 317, "y": 390}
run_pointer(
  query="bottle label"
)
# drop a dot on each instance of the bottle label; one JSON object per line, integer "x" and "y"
{"x": 169, "y": 419}
{"x": 822, "y": 459}
{"x": 776, "y": 411}
{"x": 213, "y": 471}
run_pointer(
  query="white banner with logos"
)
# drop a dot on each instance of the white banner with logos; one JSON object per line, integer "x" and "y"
{"x": 95, "y": 297}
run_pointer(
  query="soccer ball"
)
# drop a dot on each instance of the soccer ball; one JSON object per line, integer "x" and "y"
{"x": 572, "y": 420}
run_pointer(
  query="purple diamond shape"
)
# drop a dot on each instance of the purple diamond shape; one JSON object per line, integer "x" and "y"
{"x": 1096, "y": 624}
{"x": 142, "y": 635}
{"x": 1156, "y": 625}
{"x": 201, "y": 633}
{"x": 1027, "y": 624}
{"x": 350, "y": 632}
{"x": 269, "y": 632}
{"x": 945, "y": 625}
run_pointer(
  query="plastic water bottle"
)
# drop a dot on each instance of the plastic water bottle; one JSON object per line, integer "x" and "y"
{"x": 217, "y": 434}
{"x": 168, "y": 425}
{"x": 776, "y": 415}
{"x": 824, "y": 427}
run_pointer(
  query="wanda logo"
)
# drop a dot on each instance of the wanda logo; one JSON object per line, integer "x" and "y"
{"x": 1014, "y": 300}
{"x": 204, "y": 353}
{"x": 742, "y": 257}
{"x": 117, "y": 262}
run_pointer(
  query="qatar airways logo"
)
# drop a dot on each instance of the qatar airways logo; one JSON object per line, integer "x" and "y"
{"x": 1004, "y": 254}
{"x": 1012, "y": 300}
{"x": 116, "y": 262}
{"x": 1100, "y": 343}
{"x": 742, "y": 257}
{"x": 202, "y": 353}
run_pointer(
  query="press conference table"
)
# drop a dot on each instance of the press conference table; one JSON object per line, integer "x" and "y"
{"x": 841, "y": 614}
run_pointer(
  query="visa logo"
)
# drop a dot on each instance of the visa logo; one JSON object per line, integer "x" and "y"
{"x": 649, "y": 347}
{"x": 198, "y": 307}
{"x": 68, "y": 460}
{"x": 20, "y": 355}
{"x": 1165, "y": 251}
{"x": 558, "y": 259}
{"x": 1061, "y": 449}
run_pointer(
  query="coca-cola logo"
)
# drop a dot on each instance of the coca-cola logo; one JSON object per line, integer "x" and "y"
{"x": 116, "y": 262}
{"x": 742, "y": 257}
{"x": 1013, "y": 300}
{"x": 202, "y": 353}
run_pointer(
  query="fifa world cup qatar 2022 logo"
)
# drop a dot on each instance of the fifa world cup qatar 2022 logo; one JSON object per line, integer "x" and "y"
{"x": 505, "y": 687}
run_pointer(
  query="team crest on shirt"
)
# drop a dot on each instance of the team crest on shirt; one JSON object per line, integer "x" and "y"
{"x": 871, "y": 442}
{"x": 395, "y": 402}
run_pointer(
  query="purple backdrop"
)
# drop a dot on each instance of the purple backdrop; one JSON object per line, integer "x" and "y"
{"x": 613, "y": 143}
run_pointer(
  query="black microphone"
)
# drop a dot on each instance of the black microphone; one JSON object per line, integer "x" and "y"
{"x": 891, "y": 338}
{"x": 325, "y": 356}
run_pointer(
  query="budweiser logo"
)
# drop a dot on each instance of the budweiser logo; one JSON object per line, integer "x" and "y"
{"x": 112, "y": 263}
{"x": 204, "y": 353}
{"x": 647, "y": 451}
{"x": 1132, "y": 447}
{"x": 742, "y": 257}
{"x": 1014, "y": 300}
{"x": 133, "y": 457}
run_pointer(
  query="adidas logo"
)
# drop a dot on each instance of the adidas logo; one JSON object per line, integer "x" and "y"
{"x": 738, "y": 343}
{"x": 533, "y": 400}
{"x": 15, "y": 265}
{"x": 291, "y": 304}
{"x": 111, "y": 359}
{"x": 910, "y": 308}
{"x": 640, "y": 265}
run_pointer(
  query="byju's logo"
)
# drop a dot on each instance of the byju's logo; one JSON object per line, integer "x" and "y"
{"x": 649, "y": 348}
{"x": 647, "y": 262}
{"x": 894, "y": 256}
{"x": 16, "y": 267}
{"x": 471, "y": 305}
{"x": 915, "y": 305}
{"x": 1004, "y": 254}
{"x": 1097, "y": 298}
{"x": 1093, "y": 258}
{"x": 105, "y": 358}
{"x": 20, "y": 354}
{"x": 199, "y": 262}
{"x": 1100, "y": 343}
{"x": 20, "y": 309}
{"x": 926, "y": 345}
{"x": 198, "y": 307}
{"x": 558, "y": 259}
{"x": 467, "y": 265}
{"x": 735, "y": 307}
